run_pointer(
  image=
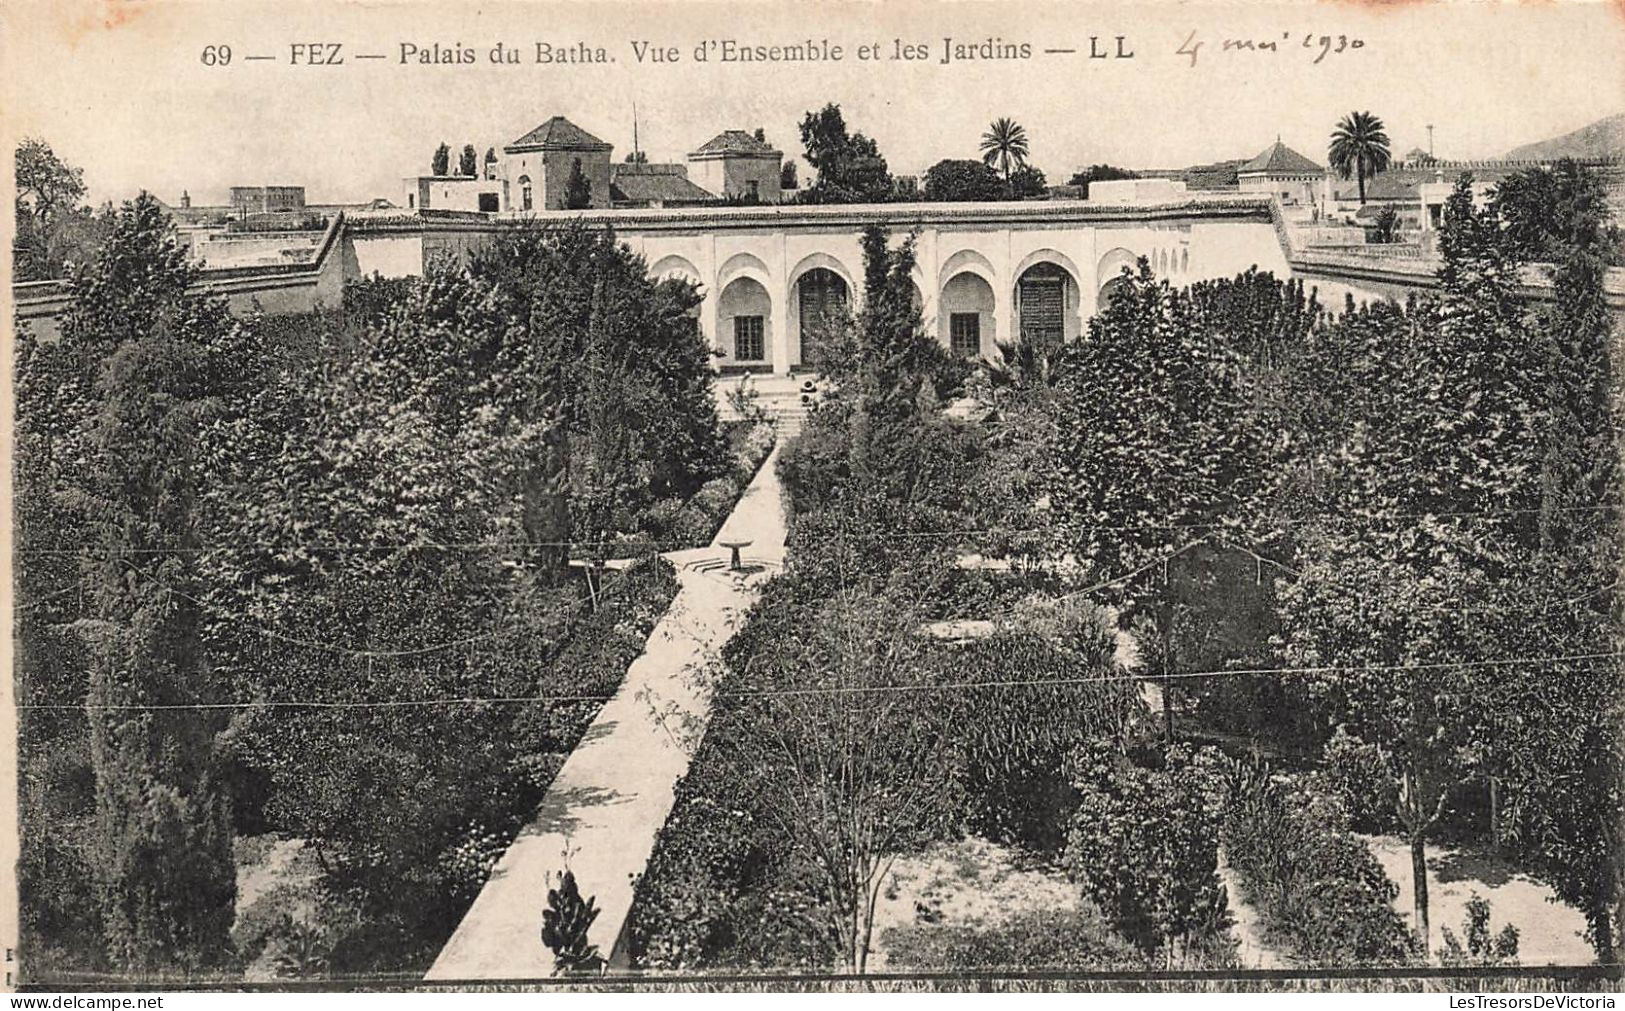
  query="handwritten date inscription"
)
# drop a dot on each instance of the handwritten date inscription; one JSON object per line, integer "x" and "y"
{"x": 1311, "y": 44}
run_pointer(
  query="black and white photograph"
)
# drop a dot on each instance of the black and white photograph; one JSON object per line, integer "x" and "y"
{"x": 848, "y": 497}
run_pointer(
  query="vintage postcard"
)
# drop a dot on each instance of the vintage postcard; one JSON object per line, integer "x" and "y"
{"x": 763, "y": 495}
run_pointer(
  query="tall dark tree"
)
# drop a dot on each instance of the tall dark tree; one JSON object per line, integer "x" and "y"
{"x": 165, "y": 874}
{"x": 1359, "y": 148}
{"x": 1549, "y": 211}
{"x": 1026, "y": 183}
{"x": 957, "y": 179}
{"x": 787, "y": 176}
{"x": 577, "y": 188}
{"x": 53, "y": 229}
{"x": 440, "y": 165}
{"x": 468, "y": 163}
{"x": 849, "y": 165}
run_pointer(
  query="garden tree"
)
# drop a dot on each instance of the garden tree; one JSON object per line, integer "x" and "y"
{"x": 637, "y": 157}
{"x": 787, "y": 176}
{"x": 1385, "y": 230}
{"x": 849, "y": 165}
{"x": 490, "y": 159}
{"x": 465, "y": 412}
{"x": 1135, "y": 494}
{"x": 441, "y": 163}
{"x": 856, "y": 769}
{"x": 1099, "y": 173}
{"x": 1381, "y": 632}
{"x": 1359, "y": 148}
{"x": 468, "y": 162}
{"x": 1566, "y": 595}
{"x": 1026, "y": 182}
{"x": 1144, "y": 844}
{"x": 604, "y": 341}
{"x": 1130, "y": 487}
{"x": 142, "y": 351}
{"x": 1437, "y": 419}
{"x": 956, "y": 179}
{"x": 1548, "y": 211}
{"x": 577, "y": 188}
{"x": 1004, "y": 146}
{"x": 52, "y": 229}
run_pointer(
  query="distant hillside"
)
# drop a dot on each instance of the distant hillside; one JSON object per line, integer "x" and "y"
{"x": 1603, "y": 139}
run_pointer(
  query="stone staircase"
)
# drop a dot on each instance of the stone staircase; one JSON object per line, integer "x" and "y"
{"x": 786, "y": 399}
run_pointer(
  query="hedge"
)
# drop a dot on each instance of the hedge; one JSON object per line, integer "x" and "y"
{"x": 676, "y": 524}
{"x": 1319, "y": 889}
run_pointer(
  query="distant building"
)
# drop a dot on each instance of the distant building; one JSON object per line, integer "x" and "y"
{"x": 1284, "y": 174}
{"x": 246, "y": 200}
{"x": 653, "y": 184}
{"x": 535, "y": 169}
{"x": 453, "y": 193}
{"x": 1132, "y": 191}
{"x": 735, "y": 165}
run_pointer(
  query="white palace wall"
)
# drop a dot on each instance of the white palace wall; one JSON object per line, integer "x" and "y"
{"x": 970, "y": 258}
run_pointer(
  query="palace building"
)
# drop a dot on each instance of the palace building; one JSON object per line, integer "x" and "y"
{"x": 534, "y": 171}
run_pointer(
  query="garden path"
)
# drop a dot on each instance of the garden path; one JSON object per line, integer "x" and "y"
{"x": 611, "y": 797}
{"x": 1549, "y": 932}
{"x": 1247, "y": 925}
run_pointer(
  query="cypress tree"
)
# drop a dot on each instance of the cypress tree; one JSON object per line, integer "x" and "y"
{"x": 166, "y": 881}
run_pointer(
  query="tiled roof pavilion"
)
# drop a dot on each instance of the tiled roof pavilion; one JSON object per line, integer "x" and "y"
{"x": 558, "y": 134}
{"x": 735, "y": 142}
{"x": 1280, "y": 160}
{"x": 649, "y": 183}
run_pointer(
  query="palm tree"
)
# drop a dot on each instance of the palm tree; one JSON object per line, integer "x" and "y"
{"x": 1005, "y": 146}
{"x": 1359, "y": 148}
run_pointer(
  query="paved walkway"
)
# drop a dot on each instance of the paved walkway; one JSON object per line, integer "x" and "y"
{"x": 610, "y": 799}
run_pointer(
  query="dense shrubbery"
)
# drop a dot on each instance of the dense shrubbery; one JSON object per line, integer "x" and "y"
{"x": 1054, "y": 939}
{"x": 673, "y": 523}
{"x": 1323, "y": 895}
{"x": 1143, "y": 844}
{"x": 839, "y": 729}
{"x": 730, "y": 881}
{"x": 365, "y": 507}
{"x": 465, "y": 781}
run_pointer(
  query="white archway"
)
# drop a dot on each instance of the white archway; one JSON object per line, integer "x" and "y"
{"x": 967, "y": 316}
{"x": 673, "y": 265}
{"x": 1112, "y": 264}
{"x": 745, "y": 322}
{"x": 1048, "y": 297}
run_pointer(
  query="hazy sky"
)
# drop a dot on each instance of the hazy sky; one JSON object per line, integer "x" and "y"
{"x": 120, "y": 88}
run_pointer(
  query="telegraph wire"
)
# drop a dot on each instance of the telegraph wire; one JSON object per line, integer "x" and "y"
{"x": 1125, "y": 676}
{"x": 663, "y": 546}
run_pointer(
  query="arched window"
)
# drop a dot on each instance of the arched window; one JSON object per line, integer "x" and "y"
{"x": 526, "y": 200}
{"x": 821, "y": 298}
{"x": 1043, "y": 300}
